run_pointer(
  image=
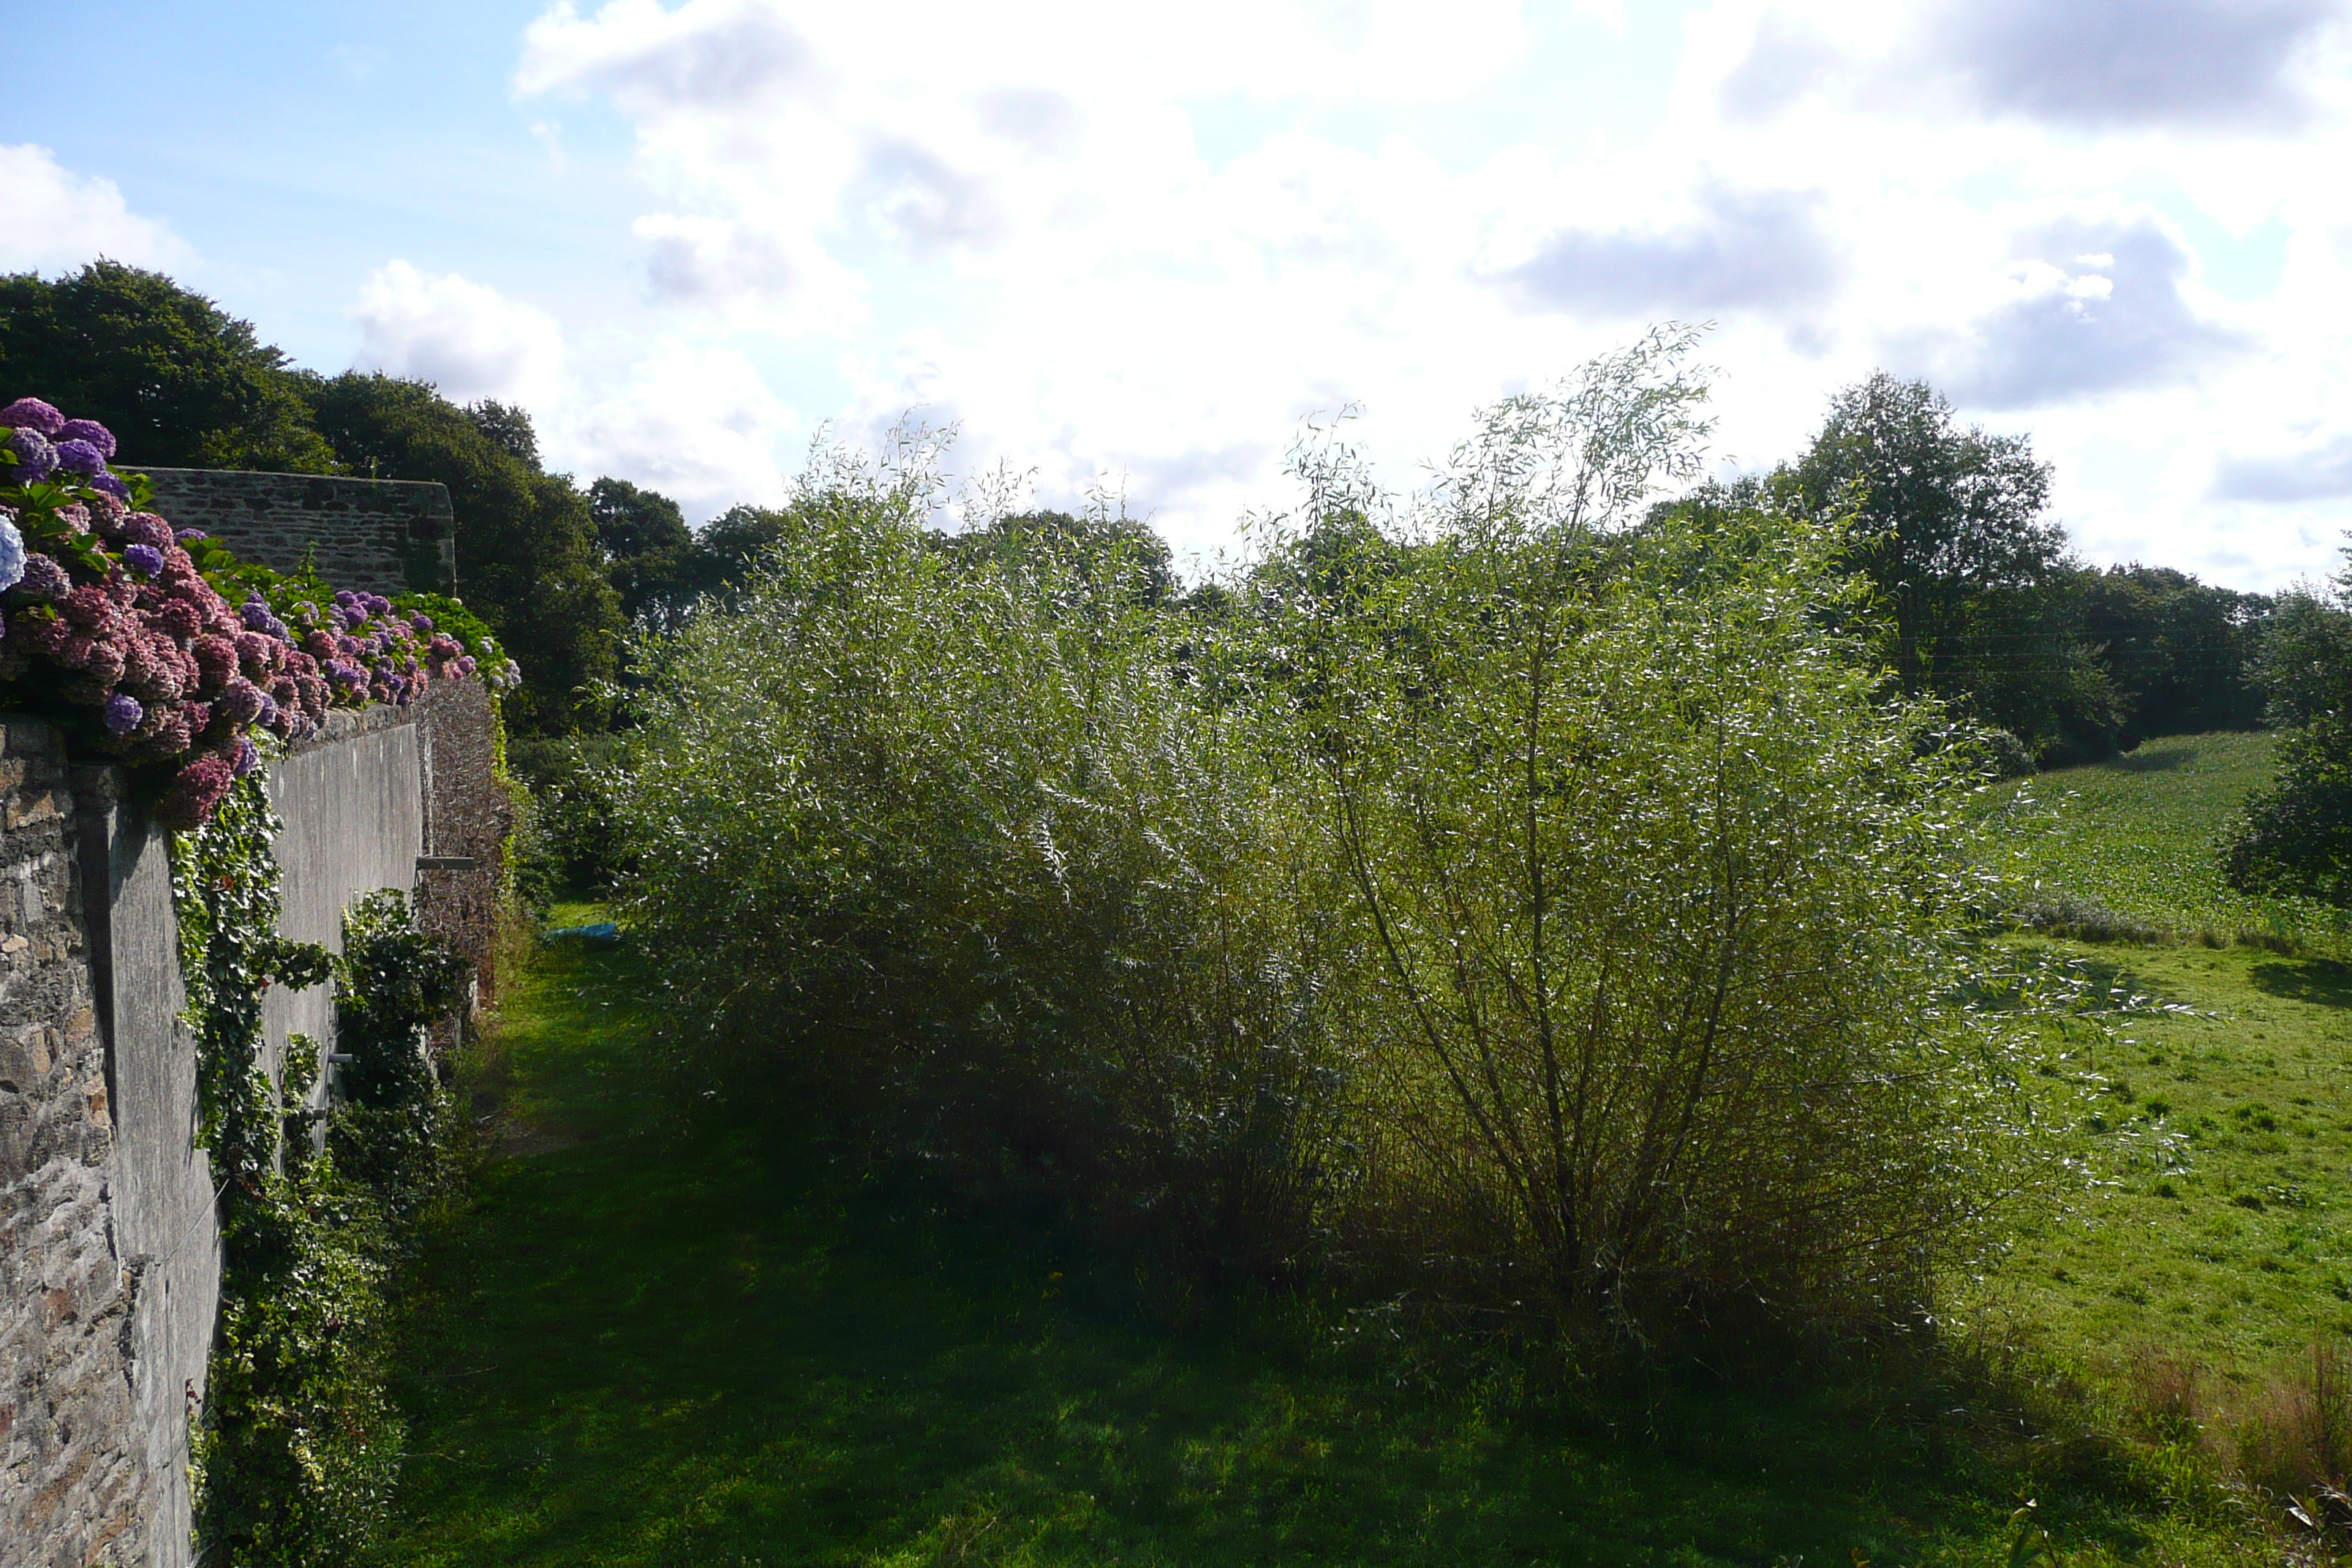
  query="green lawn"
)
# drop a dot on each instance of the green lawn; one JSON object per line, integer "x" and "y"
{"x": 667, "y": 1339}
{"x": 2210, "y": 1220}
{"x": 672, "y": 1331}
{"x": 2141, "y": 833}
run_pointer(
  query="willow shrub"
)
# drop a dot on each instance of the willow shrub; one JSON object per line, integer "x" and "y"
{"x": 1659, "y": 899}
{"x": 1501, "y": 898}
{"x": 958, "y": 838}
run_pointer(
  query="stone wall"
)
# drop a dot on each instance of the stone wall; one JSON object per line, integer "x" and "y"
{"x": 74, "y": 1481}
{"x": 377, "y": 536}
{"x": 109, "y": 1250}
{"x": 468, "y": 816}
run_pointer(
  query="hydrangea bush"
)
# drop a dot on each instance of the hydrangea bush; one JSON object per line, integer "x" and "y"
{"x": 158, "y": 647}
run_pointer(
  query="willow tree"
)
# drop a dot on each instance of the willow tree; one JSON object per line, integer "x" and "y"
{"x": 1661, "y": 889}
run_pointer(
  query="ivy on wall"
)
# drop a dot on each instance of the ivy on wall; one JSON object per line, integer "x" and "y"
{"x": 298, "y": 1445}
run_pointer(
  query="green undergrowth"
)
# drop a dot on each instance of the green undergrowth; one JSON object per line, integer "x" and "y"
{"x": 2130, "y": 848}
{"x": 671, "y": 1330}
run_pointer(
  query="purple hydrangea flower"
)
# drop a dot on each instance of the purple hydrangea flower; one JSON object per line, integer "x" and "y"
{"x": 257, "y": 615}
{"x": 31, "y": 413}
{"x": 80, "y": 458}
{"x": 190, "y": 535}
{"x": 89, "y": 430}
{"x": 12, "y": 553}
{"x": 378, "y": 604}
{"x": 43, "y": 581}
{"x": 107, "y": 484}
{"x": 143, "y": 558}
{"x": 269, "y": 714}
{"x": 122, "y": 714}
{"x": 248, "y": 756}
{"x": 346, "y": 598}
{"x": 421, "y": 625}
{"x": 34, "y": 456}
{"x": 144, "y": 528}
{"x": 240, "y": 702}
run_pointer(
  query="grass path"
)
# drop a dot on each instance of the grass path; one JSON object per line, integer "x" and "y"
{"x": 666, "y": 1339}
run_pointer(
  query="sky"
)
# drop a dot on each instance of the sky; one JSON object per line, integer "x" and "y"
{"x": 1134, "y": 251}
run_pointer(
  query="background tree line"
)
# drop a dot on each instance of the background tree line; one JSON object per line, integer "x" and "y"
{"x": 556, "y": 570}
{"x": 1978, "y": 597}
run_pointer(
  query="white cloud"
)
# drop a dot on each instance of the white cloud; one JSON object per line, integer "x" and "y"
{"x": 2322, "y": 471}
{"x": 1738, "y": 249}
{"x": 697, "y": 424}
{"x": 59, "y": 220}
{"x": 466, "y": 337}
{"x": 1106, "y": 243}
{"x": 2102, "y": 64}
{"x": 2091, "y": 308}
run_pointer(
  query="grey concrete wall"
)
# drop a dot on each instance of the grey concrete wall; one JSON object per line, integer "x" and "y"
{"x": 165, "y": 1221}
{"x": 352, "y": 799}
{"x": 380, "y": 536}
{"x": 467, "y": 818}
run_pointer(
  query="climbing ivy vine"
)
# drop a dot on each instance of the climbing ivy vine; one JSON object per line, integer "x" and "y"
{"x": 297, "y": 1445}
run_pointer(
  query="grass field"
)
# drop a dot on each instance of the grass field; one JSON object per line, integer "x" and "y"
{"x": 2215, "y": 1121}
{"x": 2141, "y": 833}
{"x": 2210, "y": 1100}
{"x": 670, "y": 1331}
{"x": 667, "y": 1340}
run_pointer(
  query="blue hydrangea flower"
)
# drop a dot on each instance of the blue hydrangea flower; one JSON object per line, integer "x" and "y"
{"x": 35, "y": 457}
{"x": 12, "y": 553}
{"x": 122, "y": 714}
{"x": 144, "y": 558}
{"x": 255, "y": 613}
{"x": 89, "y": 430}
{"x": 111, "y": 485}
{"x": 80, "y": 458}
{"x": 248, "y": 757}
{"x": 190, "y": 535}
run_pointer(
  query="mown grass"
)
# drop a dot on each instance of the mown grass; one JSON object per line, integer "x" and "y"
{"x": 2140, "y": 836}
{"x": 2214, "y": 1119}
{"x": 671, "y": 1330}
{"x": 2202, "y": 1246}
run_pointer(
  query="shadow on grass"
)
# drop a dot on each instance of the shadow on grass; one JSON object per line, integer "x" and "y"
{"x": 694, "y": 1340}
{"x": 2322, "y": 982}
